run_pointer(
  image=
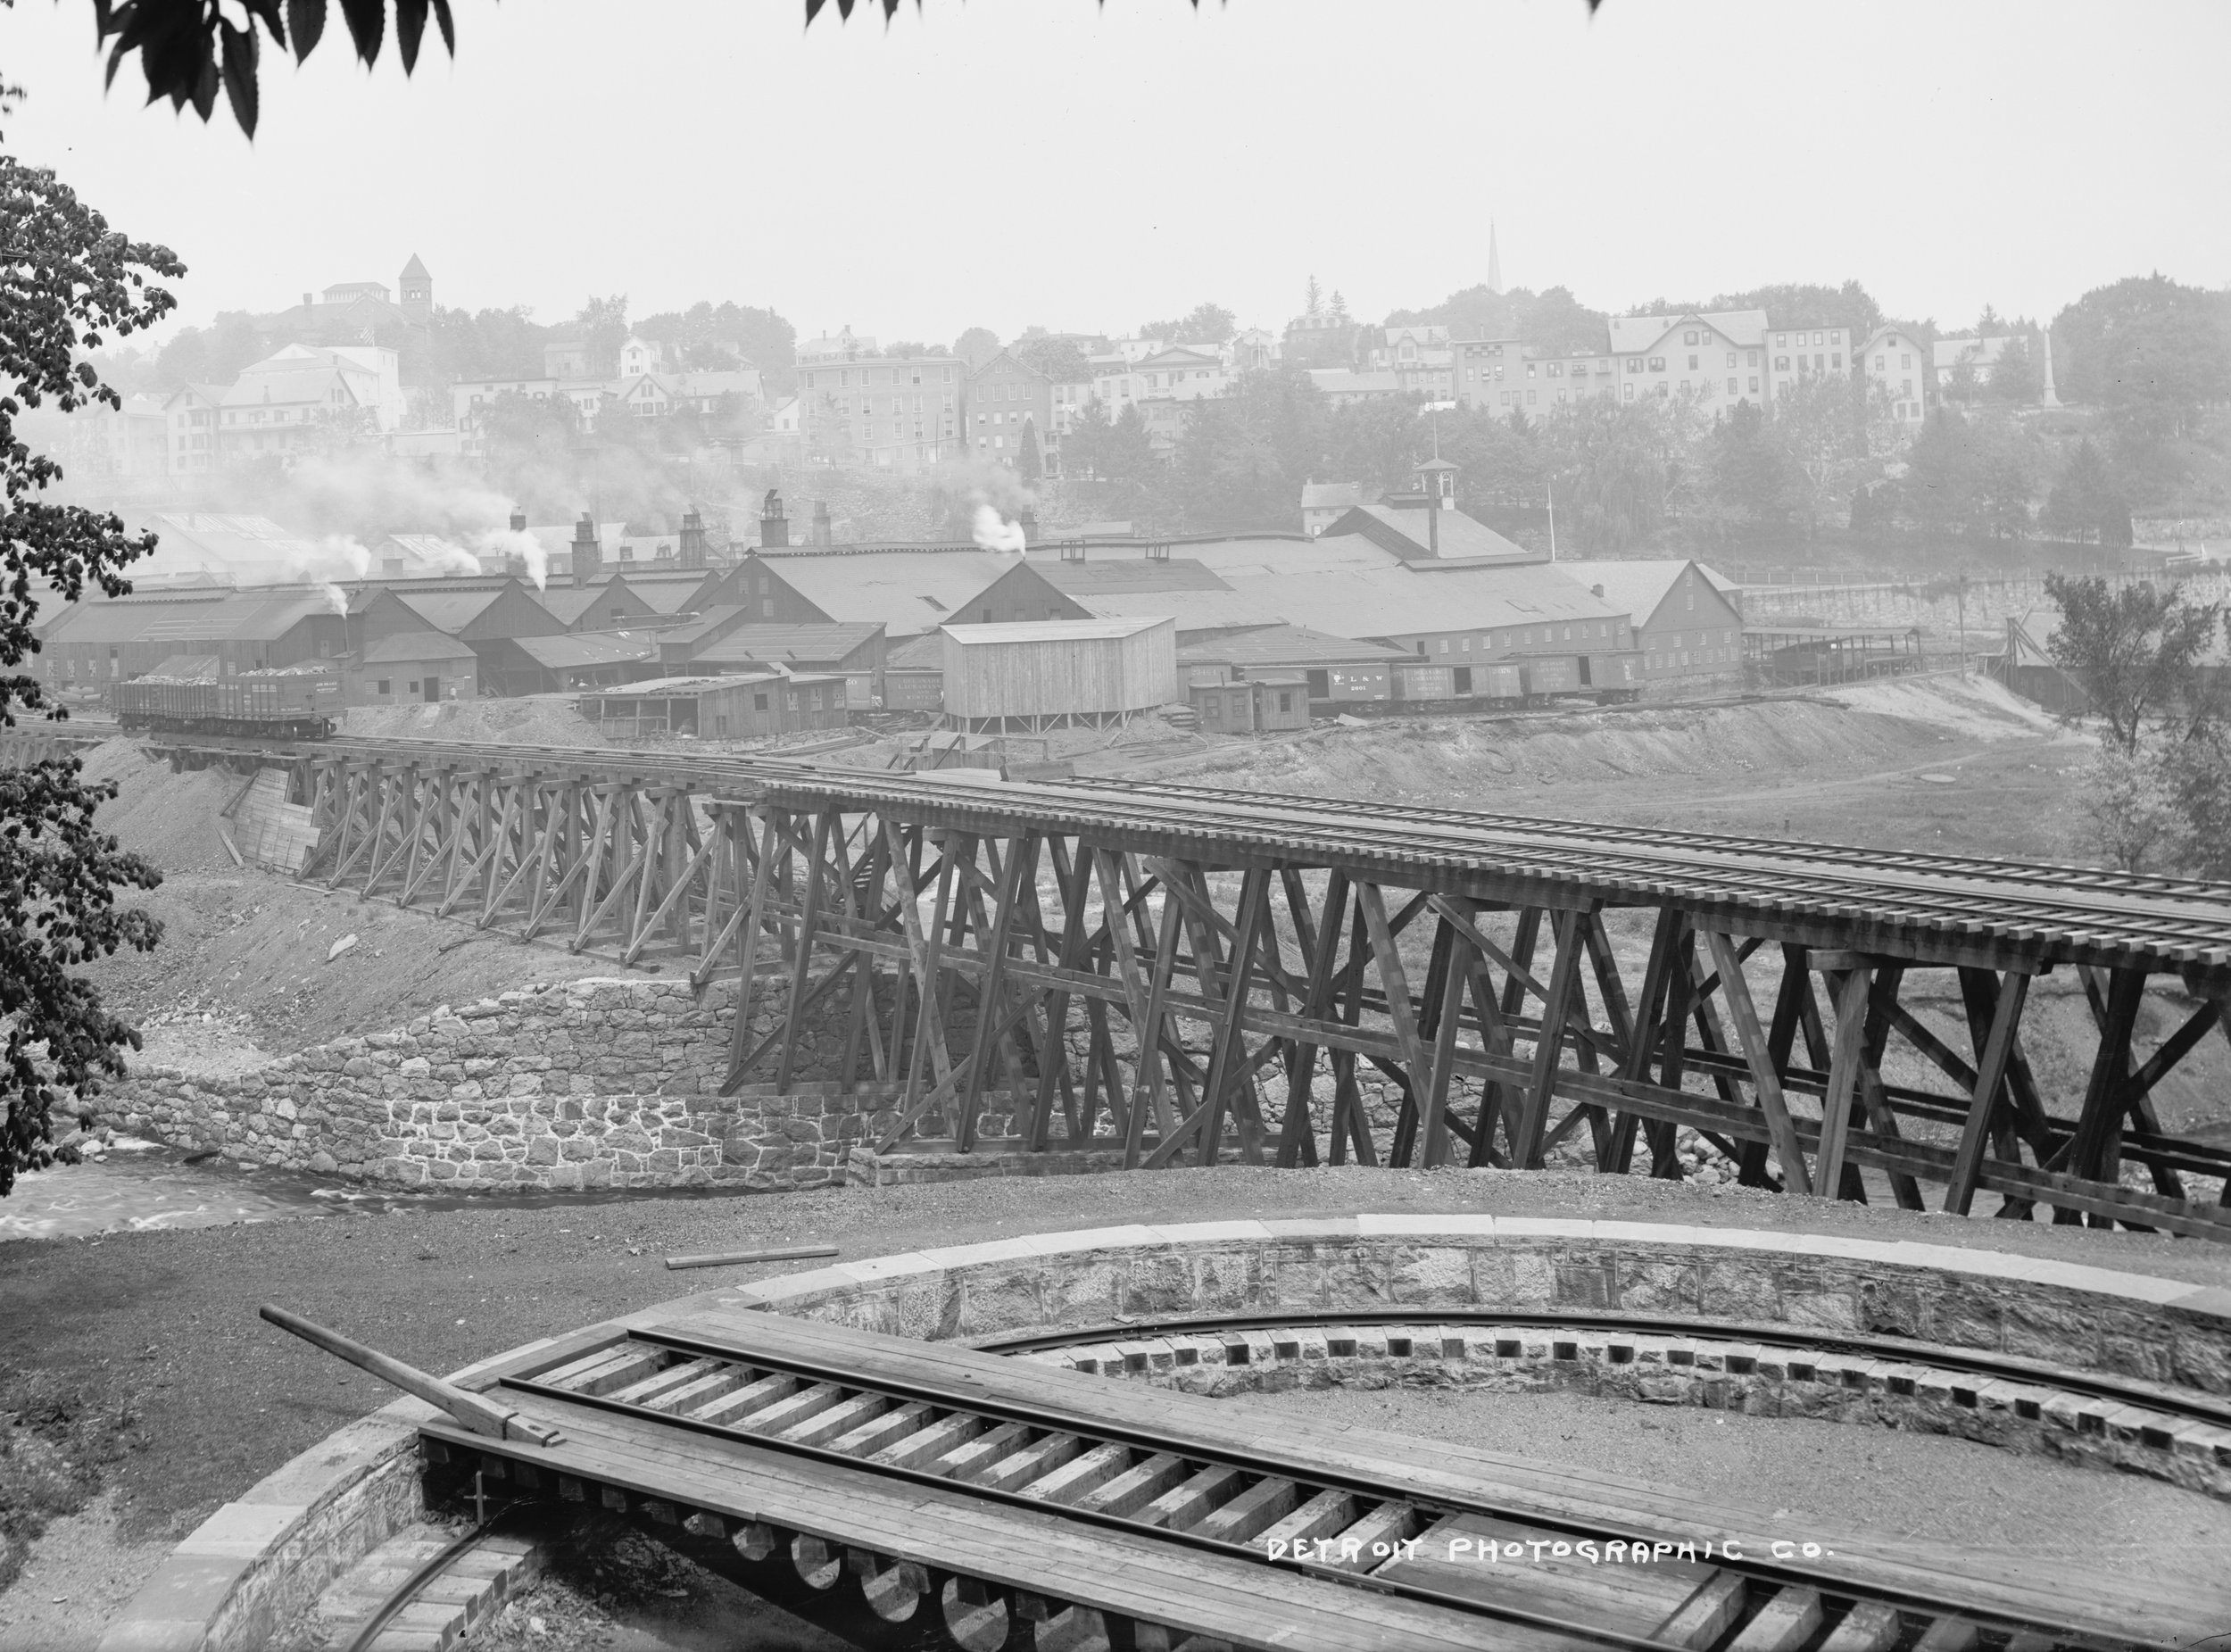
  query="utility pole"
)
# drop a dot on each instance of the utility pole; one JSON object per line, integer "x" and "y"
{"x": 1549, "y": 493}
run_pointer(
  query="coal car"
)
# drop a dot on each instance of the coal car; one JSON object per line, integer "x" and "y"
{"x": 301, "y": 707}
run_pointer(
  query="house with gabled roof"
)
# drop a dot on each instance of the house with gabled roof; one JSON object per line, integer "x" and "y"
{"x": 1896, "y": 360}
{"x": 1716, "y": 360}
{"x": 1686, "y": 619}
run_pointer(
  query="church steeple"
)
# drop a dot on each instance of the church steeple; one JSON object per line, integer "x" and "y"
{"x": 1495, "y": 261}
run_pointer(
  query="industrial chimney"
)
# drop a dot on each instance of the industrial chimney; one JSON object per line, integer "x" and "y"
{"x": 693, "y": 539}
{"x": 774, "y": 525}
{"x": 518, "y": 520}
{"x": 824, "y": 530}
{"x": 588, "y": 556}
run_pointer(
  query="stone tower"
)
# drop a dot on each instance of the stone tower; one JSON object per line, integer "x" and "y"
{"x": 417, "y": 288}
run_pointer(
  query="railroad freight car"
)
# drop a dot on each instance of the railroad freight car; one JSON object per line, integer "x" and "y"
{"x": 1612, "y": 678}
{"x": 1548, "y": 676}
{"x": 270, "y": 708}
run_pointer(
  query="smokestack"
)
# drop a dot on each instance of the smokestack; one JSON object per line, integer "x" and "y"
{"x": 693, "y": 539}
{"x": 518, "y": 520}
{"x": 824, "y": 530}
{"x": 308, "y": 300}
{"x": 774, "y": 525}
{"x": 1027, "y": 520}
{"x": 1433, "y": 526}
{"x": 587, "y": 554}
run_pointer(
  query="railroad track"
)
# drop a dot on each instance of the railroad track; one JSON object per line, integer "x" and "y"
{"x": 966, "y": 1493}
{"x": 2132, "y": 1425}
{"x": 2081, "y": 910}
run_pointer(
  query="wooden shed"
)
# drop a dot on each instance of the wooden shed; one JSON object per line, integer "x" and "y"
{"x": 719, "y": 708}
{"x": 1058, "y": 672}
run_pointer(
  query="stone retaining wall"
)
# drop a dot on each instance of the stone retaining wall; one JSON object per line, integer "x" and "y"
{"x": 601, "y": 1082}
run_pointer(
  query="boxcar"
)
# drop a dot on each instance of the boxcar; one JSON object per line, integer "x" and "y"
{"x": 1550, "y": 675}
{"x": 1496, "y": 685}
{"x": 1426, "y": 683}
{"x": 1612, "y": 677}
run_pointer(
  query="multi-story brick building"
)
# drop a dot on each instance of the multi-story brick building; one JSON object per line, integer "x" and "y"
{"x": 1004, "y": 396}
{"x": 887, "y": 412}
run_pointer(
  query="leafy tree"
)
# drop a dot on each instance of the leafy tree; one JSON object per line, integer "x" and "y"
{"x": 485, "y": 344}
{"x": 976, "y": 346}
{"x": 69, "y": 280}
{"x": 1558, "y": 324}
{"x": 2135, "y": 649}
{"x": 1241, "y": 458}
{"x": 905, "y": 348}
{"x": 1058, "y": 358}
{"x": 211, "y": 356}
{"x": 1312, "y": 300}
{"x": 1029, "y": 464}
{"x": 1809, "y": 304}
{"x": 709, "y": 337}
{"x": 1836, "y": 432}
{"x": 602, "y": 323}
{"x": 1614, "y": 469}
{"x": 2085, "y": 506}
{"x": 2153, "y": 352}
{"x": 1207, "y": 324}
{"x": 1374, "y": 442}
{"x": 2017, "y": 375}
{"x": 1753, "y": 491}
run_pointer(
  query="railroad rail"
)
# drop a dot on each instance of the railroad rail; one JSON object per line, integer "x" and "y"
{"x": 1173, "y": 972}
{"x": 967, "y": 1494}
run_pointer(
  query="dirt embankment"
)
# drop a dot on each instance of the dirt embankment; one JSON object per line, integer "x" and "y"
{"x": 243, "y": 970}
{"x": 1935, "y": 763}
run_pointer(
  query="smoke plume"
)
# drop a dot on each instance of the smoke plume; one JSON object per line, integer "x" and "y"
{"x": 994, "y": 533}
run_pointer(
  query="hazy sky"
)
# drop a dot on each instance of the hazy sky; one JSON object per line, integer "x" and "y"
{"x": 1001, "y": 162}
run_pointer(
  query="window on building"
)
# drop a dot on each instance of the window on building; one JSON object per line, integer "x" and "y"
{"x": 1692, "y": 364}
{"x": 1836, "y": 359}
{"x": 382, "y": 685}
{"x": 1781, "y": 364}
{"x": 1754, "y": 383}
{"x": 1631, "y": 392}
{"x": 1688, "y": 338}
{"x": 1731, "y": 387}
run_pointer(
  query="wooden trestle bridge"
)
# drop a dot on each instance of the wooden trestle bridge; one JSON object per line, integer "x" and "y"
{"x": 1179, "y": 974}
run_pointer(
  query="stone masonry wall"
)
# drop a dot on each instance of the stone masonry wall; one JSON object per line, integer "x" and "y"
{"x": 603, "y": 1082}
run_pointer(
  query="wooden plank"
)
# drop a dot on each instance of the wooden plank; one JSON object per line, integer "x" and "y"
{"x": 1479, "y": 1558}
{"x": 1526, "y": 1143}
{"x": 1984, "y": 1099}
{"x": 1031, "y": 1550}
{"x": 1766, "y": 1083}
{"x": 1230, "y": 1043}
{"x": 1843, "y": 1064}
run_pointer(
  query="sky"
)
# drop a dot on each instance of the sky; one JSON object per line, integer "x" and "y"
{"x": 1005, "y": 163}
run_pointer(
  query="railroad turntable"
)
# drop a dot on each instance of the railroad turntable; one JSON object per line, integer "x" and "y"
{"x": 990, "y": 1446}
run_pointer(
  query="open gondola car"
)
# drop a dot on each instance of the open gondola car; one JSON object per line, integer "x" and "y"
{"x": 271, "y": 708}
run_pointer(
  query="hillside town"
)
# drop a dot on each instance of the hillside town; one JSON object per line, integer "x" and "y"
{"x": 835, "y": 506}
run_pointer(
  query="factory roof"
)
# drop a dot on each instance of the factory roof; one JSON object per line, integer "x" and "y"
{"x": 1282, "y": 644}
{"x": 1641, "y": 586}
{"x": 1052, "y": 630}
{"x": 1413, "y": 599}
{"x": 784, "y": 643}
{"x": 211, "y": 615}
{"x": 907, "y": 592}
{"x": 579, "y": 648}
{"x": 416, "y": 645}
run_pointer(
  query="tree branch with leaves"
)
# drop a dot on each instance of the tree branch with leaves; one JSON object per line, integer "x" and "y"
{"x": 68, "y": 282}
